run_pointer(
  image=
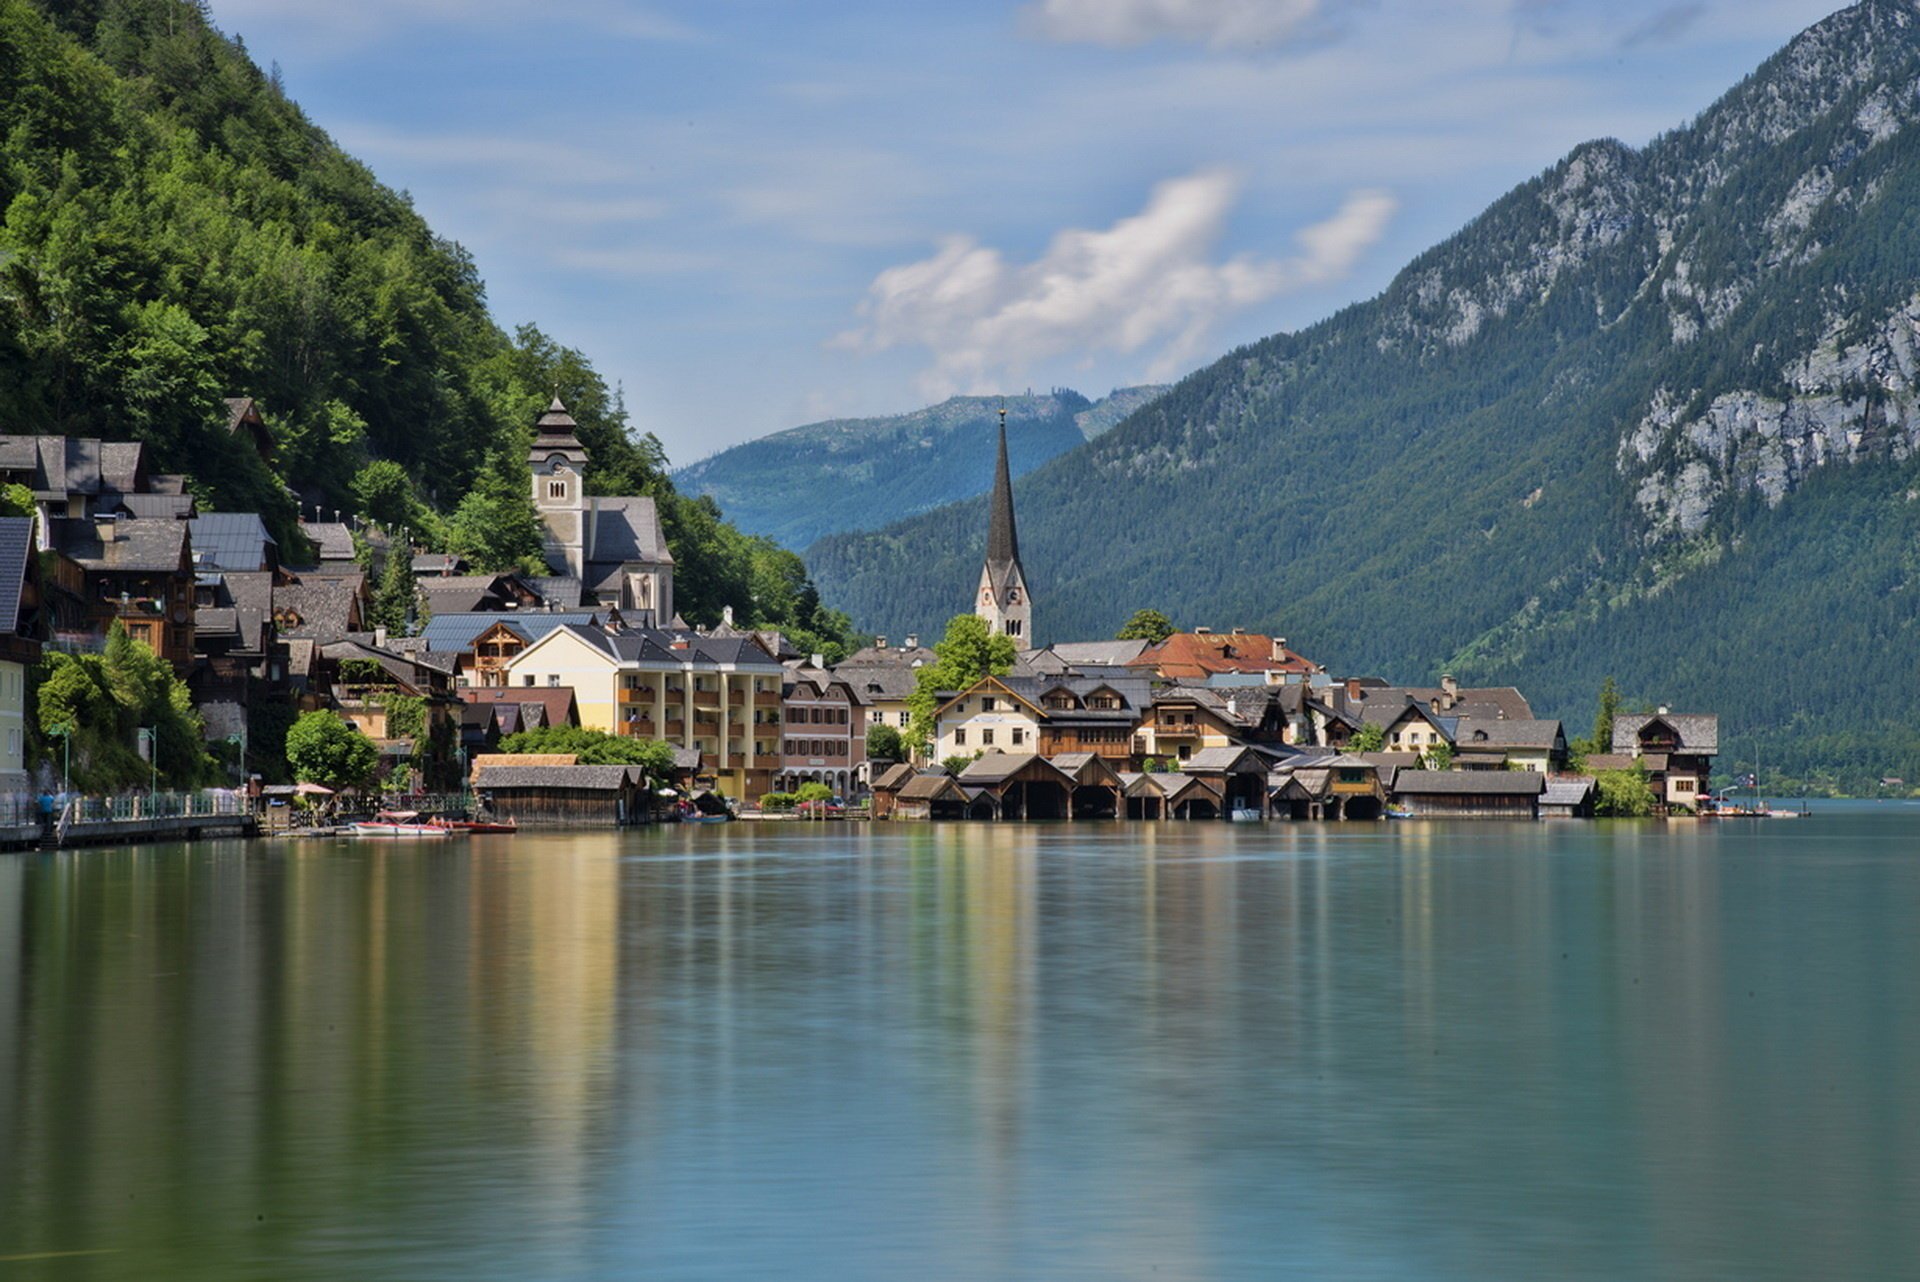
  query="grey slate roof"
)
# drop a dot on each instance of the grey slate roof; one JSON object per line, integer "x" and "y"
{"x": 1108, "y": 654}
{"x": 894, "y": 777}
{"x": 1535, "y": 735}
{"x": 318, "y": 609}
{"x": 1208, "y": 760}
{"x": 1567, "y": 792}
{"x": 1459, "y": 783}
{"x": 628, "y": 529}
{"x": 1699, "y": 732}
{"x": 995, "y": 766}
{"x": 577, "y": 778}
{"x": 1471, "y": 701}
{"x": 931, "y": 787}
{"x": 232, "y": 541}
{"x": 562, "y": 590}
{"x": 331, "y": 539}
{"x": 155, "y": 507}
{"x": 16, "y": 545}
{"x": 457, "y": 631}
{"x": 137, "y": 546}
{"x": 874, "y": 682}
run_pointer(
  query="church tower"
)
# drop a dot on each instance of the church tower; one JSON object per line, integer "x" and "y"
{"x": 1003, "y": 601}
{"x": 559, "y": 463}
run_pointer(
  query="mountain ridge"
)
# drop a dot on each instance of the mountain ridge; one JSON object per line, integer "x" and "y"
{"x": 1607, "y": 392}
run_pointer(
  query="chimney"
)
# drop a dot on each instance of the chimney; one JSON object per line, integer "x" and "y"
{"x": 1233, "y": 706}
{"x": 1449, "y": 691}
{"x": 1663, "y": 709}
{"x": 880, "y": 642}
{"x": 1279, "y": 649}
{"x": 913, "y": 640}
{"x": 726, "y": 615}
{"x": 380, "y": 638}
{"x": 1239, "y": 632}
{"x": 1203, "y": 631}
{"x": 819, "y": 660}
{"x": 106, "y": 527}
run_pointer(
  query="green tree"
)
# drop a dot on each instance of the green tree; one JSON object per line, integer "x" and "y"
{"x": 1150, "y": 626}
{"x": 1624, "y": 794}
{"x": 396, "y": 595}
{"x": 596, "y": 748}
{"x": 812, "y": 793}
{"x": 1438, "y": 757}
{"x": 106, "y": 700}
{"x": 884, "y": 744}
{"x": 1368, "y": 738}
{"x": 968, "y": 652}
{"x": 323, "y": 748}
{"x": 1602, "y": 741}
{"x": 495, "y": 527}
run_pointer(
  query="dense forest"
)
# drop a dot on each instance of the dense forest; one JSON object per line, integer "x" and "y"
{"x": 1653, "y": 414}
{"x": 175, "y": 231}
{"x": 883, "y": 469}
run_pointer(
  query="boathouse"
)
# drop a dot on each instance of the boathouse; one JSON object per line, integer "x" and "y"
{"x": 1470, "y": 794}
{"x": 565, "y": 796}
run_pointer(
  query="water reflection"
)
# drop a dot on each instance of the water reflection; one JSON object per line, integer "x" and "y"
{"x": 1189, "y": 1051}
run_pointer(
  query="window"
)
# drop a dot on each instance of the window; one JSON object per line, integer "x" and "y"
{"x": 904, "y": 718}
{"x": 527, "y": 680}
{"x": 986, "y": 737}
{"x": 986, "y": 703}
{"x": 1013, "y": 627}
{"x": 556, "y": 489}
{"x": 1683, "y": 785}
{"x": 553, "y": 678}
{"x": 960, "y": 737}
{"x": 1019, "y": 736}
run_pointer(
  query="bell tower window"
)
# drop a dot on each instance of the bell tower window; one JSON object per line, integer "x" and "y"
{"x": 556, "y": 489}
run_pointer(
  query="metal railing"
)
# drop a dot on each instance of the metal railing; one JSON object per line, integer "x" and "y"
{"x": 162, "y": 805}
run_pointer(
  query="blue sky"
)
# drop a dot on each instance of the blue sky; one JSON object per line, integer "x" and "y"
{"x": 755, "y": 215}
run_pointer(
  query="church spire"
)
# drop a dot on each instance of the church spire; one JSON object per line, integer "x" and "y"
{"x": 1003, "y": 601}
{"x": 1003, "y": 542}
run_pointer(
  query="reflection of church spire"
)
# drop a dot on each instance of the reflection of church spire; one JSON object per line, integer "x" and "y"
{"x": 1004, "y": 602}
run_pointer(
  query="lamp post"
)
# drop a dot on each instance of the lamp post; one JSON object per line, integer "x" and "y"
{"x": 239, "y": 739}
{"x": 151, "y": 737}
{"x": 65, "y": 731}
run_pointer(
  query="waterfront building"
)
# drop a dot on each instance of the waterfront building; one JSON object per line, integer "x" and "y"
{"x": 1535, "y": 745}
{"x": 1003, "y": 599}
{"x": 1677, "y": 750}
{"x": 484, "y": 642}
{"x": 1202, "y": 653}
{"x": 720, "y": 696}
{"x": 139, "y": 573}
{"x": 823, "y": 736}
{"x": 615, "y": 547}
{"x": 1052, "y": 716}
{"x": 19, "y": 644}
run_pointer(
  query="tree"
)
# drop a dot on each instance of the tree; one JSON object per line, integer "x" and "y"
{"x": 396, "y": 594}
{"x": 495, "y": 527}
{"x": 884, "y": 744}
{"x": 1368, "y": 738}
{"x": 596, "y": 748}
{"x": 1150, "y": 626}
{"x": 106, "y": 700}
{"x": 812, "y": 793}
{"x": 967, "y": 653}
{"x": 323, "y": 748}
{"x": 1624, "y": 794}
{"x": 1438, "y": 757}
{"x": 1602, "y": 741}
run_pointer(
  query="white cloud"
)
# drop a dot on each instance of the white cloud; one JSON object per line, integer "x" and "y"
{"x": 1148, "y": 281}
{"x": 1220, "y": 23}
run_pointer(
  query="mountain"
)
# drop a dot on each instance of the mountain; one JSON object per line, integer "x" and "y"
{"x": 1652, "y": 414}
{"x": 175, "y": 231}
{"x": 882, "y": 469}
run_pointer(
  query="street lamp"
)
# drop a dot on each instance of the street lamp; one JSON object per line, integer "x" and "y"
{"x": 239, "y": 739}
{"x": 65, "y": 731}
{"x": 151, "y": 738}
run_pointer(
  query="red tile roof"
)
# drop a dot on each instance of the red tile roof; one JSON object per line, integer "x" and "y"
{"x": 1201, "y": 654}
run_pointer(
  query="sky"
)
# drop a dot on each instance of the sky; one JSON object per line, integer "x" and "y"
{"x": 755, "y": 215}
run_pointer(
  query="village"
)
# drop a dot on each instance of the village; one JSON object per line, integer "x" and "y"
{"x": 1190, "y": 725}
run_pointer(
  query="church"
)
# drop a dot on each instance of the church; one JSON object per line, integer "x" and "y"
{"x": 1004, "y": 601}
{"x": 613, "y": 546}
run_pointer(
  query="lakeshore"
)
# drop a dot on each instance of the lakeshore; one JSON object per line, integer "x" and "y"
{"x": 853, "y": 1051}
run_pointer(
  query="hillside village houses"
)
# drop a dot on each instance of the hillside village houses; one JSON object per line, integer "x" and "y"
{"x": 1200, "y": 724}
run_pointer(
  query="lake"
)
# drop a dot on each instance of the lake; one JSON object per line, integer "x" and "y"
{"x": 842, "y": 1051}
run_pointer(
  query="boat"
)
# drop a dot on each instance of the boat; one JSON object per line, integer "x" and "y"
{"x": 397, "y": 823}
{"x": 476, "y": 827}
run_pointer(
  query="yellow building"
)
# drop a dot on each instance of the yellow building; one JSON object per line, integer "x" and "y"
{"x": 717, "y": 695}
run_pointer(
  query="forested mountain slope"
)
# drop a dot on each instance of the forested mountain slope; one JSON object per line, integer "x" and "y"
{"x": 879, "y": 470}
{"x": 1653, "y": 413}
{"x": 173, "y": 230}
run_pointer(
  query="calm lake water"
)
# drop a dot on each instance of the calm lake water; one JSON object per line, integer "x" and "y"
{"x": 1469, "y": 1051}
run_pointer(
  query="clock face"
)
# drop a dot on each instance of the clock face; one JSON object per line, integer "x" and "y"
{"x": 1013, "y": 596}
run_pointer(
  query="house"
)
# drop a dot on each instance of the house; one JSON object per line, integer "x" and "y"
{"x": 1677, "y": 750}
{"x": 1048, "y": 715}
{"x": 233, "y": 647}
{"x": 484, "y": 642}
{"x": 988, "y": 715}
{"x": 139, "y": 573}
{"x": 1238, "y": 775}
{"x": 1463, "y": 794}
{"x": 1568, "y": 797}
{"x": 1449, "y": 698}
{"x": 319, "y": 607}
{"x": 1188, "y": 719}
{"x": 882, "y": 692}
{"x": 1019, "y": 785}
{"x": 935, "y": 795}
{"x": 1536, "y": 745}
{"x": 332, "y": 544}
{"x": 1194, "y": 656}
{"x": 887, "y": 786}
{"x": 1408, "y": 726}
{"x": 76, "y": 478}
{"x": 369, "y": 685}
{"x": 720, "y": 695}
{"x": 232, "y": 541}
{"x": 822, "y": 736}
{"x": 20, "y": 636}
{"x": 615, "y": 547}
{"x": 564, "y": 796}
{"x": 245, "y": 424}
{"x": 475, "y": 593}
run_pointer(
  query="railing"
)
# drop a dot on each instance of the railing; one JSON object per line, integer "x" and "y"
{"x": 160, "y": 805}
{"x": 19, "y": 808}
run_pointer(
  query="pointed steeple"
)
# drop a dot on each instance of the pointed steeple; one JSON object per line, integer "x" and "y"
{"x": 1003, "y": 541}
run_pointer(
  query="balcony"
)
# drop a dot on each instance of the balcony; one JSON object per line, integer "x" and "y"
{"x": 641, "y": 729}
{"x": 767, "y": 699}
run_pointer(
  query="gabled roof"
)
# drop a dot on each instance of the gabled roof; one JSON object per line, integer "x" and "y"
{"x": 1493, "y": 736}
{"x": 1200, "y": 654}
{"x": 316, "y": 608}
{"x": 332, "y": 540}
{"x": 1479, "y": 702}
{"x": 1697, "y": 732}
{"x": 153, "y": 507}
{"x": 627, "y": 529}
{"x": 16, "y": 546}
{"x": 1386, "y": 715}
{"x": 893, "y": 778}
{"x": 150, "y": 547}
{"x": 997, "y": 767}
{"x": 1572, "y": 791}
{"x": 457, "y": 631}
{"x": 1459, "y": 783}
{"x": 575, "y": 778}
{"x": 996, "y": 686}
{"x": 232, "y": 541}
{"x": 1228, "y": 760}
{"x": 560, "y": 590}
{"x": 875, "y": 682}
{"x": 932, "y": 787}
{"x": 1105, "y": 654}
